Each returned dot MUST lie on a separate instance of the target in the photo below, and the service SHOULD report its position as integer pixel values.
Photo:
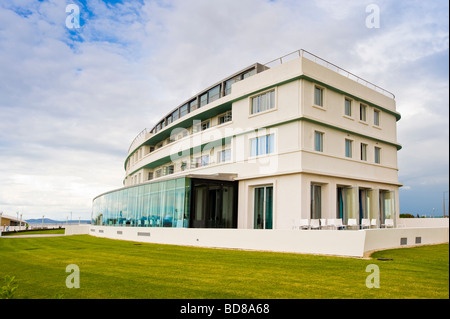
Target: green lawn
(123, 269)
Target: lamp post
(43, 221)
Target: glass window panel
(214, 94)
(318, 96)
(318, 141)
(362, 112)
(204, 99)
(348, 148)
(348, 107)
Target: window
(318, 96)
(376, 117)
(362, 112)
(348, 148)
(197, 127)
(167, 170)
(214, 94)
(316, 201)
(210, 96)
(348, 107)
(150, 176)
(193, 105)
(263, 208)
(158, 173)
(224, 156)
(262, 145)
(363, 152)
(204, 99)
(169, 119)
(377, 155)
(226, 117)
(175, 115)
(183, 165)
(184, 110)
(318, 141)
(228, 85)
(263, 102)
(202, 161)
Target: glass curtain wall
(160, 204)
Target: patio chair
(323, 223)
(315, 224)
(388, 223)
(373, 223)
(304, 224)
(352, 223)
(365, 223)
(338, 224)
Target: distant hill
(52, 221)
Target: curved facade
(262, 148)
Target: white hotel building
(265, 148)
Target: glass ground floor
(183, 202)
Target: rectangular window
(228, 85)
(377, 155)
(362, 112)
(363, 152)
(263, 102)
(376, 117)
(184, 110)
(214, 94)
(224, 156)
(226, 117)
(316, 201)
(263, 208)
(202, 161)
(204, 99)
(318, 96)
(205, 125)
(348, 107)
(150, 176)
(175, 115)
(193, 105)
(169, 119)
(318, 141)
(158, 173)
(348, 148)
(262, 145)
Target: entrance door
(263, 207)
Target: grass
(122, 269)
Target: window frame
(258, 96)
(321, 139)
(348, 148)
(320, 89)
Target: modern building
(298, 138)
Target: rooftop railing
(328, 65)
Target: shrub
(8, 291)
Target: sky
(73, 99)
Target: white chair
(365, 223)
(338, 224)
(323, 223)
(315, 224)
(352, 223)
(296, 223)
(303, 224)
(373, 223)
(388, 223)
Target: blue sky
(71, 101)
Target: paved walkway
(36, 235)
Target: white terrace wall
(354, 243)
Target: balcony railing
(329, 65)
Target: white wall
(353, 243)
